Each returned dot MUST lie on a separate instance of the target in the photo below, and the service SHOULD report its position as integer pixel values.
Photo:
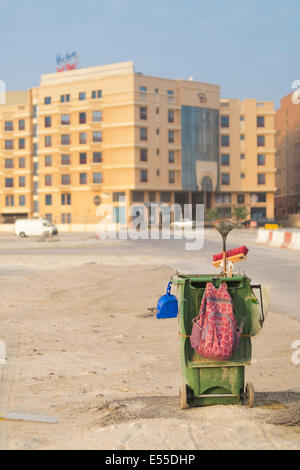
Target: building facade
(287, 124)
(247, 156)
(86, 137)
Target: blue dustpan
(167, 306)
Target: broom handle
(224, 257)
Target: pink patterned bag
(215, 333)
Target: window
(260, 140)
(9, 145)
(170, 94)
(48, 180)
(242, 137)
(225, 121)
(48, 217)
(152, 196)
(48, 199)
(66, 218)
(22, 201)
(48, 160)
(65, 179)
(225, 159)
(157, 172)
(143, 133)
(258, 197)
(97, 136)
(165, 196)
(34, 111)
(97, 116)
(82, 118)
(138, 196)
(9, 182)
(171, 156)
(65, 98)
(261, 159)
(157, 111)
(241, 198)
(97, 178)
(242, 156)
(21, 144)
(223, 198)
(66, 199)
(143, 113)
(260, 121)
(225, 141)
(48, 141)
(65, 159)
(97, 157)
(143, 91)
(9, 126)
(65, 139)
(47, 100)
(143, 176)
(9, 201)
(22, 162)
(82, 138)
(143, 155)
(82, 96)
(21, 124)
(171, 117)
(171, 177)
(47, 121)
(65, 119)
(157, 152)
(261, 178)
(82, 158)
(242, 118)
(243, 176)
(156, 90)
(225, 179)
(171, 137)
(96, 94)
(117, 196)
(35, 130)
(35, 168)
(157, 131)
(83, 178)
(22, 181)
(35, 188)
(9, 163)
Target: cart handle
(258, 286)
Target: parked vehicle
(37, 227)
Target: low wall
(279, 238)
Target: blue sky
(250, 48)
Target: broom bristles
(235, 251)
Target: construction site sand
(83, 347)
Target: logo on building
(202, 97)
(66, 62)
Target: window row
(9, 163)
(9, 125)
(225, 178)
(65, 199)
(226, 198)
(65, 139)
(144, 155)
(225, 159)
(10, 182)
(10, 200)
(65, 159)
(144, 135)
(9, 144)
(97, 178)
(144, 176)
(225, 121)
(65, 119)
(82, 95)
(144, 114)
(225, 140)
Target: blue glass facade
(199, 141)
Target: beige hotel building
(86, 137)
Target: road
(278, 268)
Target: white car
(37, 227)
(183, 223)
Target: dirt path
(88, 352)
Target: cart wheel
(250, 395)
(183, 398)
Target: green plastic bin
(206, 382)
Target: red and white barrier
(279, 238)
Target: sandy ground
(83, 347)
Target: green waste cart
(206, 382)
